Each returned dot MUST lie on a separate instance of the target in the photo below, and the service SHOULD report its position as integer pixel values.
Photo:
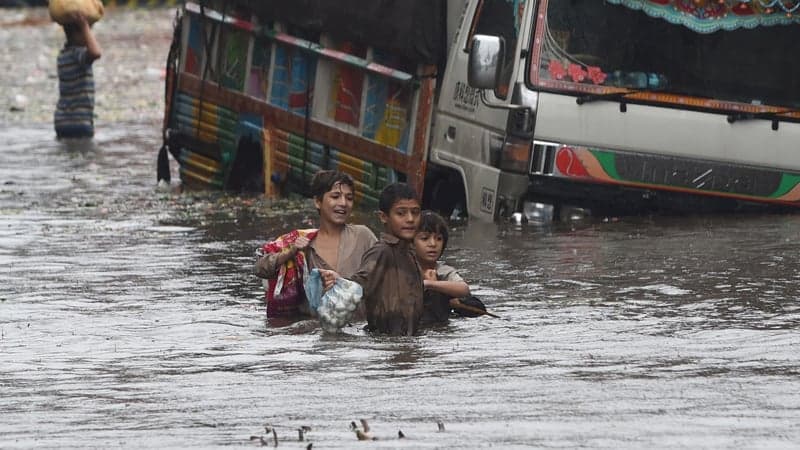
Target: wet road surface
(129, 317)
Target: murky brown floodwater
(128, 317)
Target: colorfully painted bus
(493, 107)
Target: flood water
(129, 317)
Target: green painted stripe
(608, 162)
(788, 182)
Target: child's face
(428, 247)
(336, 204)
(403, 219)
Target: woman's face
(336, 204)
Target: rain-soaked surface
(129, 317)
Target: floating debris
(260, 439)
(364, 436)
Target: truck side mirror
(485, 56)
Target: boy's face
(428, 247)
(403, 219)
(336, 204)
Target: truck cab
(639, 106)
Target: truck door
(468, 135)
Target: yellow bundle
(61, 10)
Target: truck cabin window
(500, 18)
(709, 49)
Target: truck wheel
(246, 174)
(445, 196)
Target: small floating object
(364, 436)
(170, 229)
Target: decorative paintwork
(678, 174)
(708, 16)
(365, 129)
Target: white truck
(494, 107)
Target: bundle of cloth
(63, 11)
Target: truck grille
(543, 160)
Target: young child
(337, 245)
(444, 287)
(74, 116)
(389, 273)
(442, 282)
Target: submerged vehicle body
(494, 107)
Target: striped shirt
(74, 116)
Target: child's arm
(370, 273)
(329, 278)
(93, 50)
(452, 288)
(267, 265)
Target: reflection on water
(128, 316)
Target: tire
(445, 195)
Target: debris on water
(18, 103)
(170, 229)
(364, 436)
(260, 439)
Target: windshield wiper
(774, 116)
(588, 98)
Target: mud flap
(162, 169)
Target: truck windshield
(728, 51)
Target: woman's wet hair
(324, 180)
(431, 222)
(393, 193)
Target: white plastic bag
(335, 307)
(60, 10)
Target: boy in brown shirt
(389, 272)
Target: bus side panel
(260, 91)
